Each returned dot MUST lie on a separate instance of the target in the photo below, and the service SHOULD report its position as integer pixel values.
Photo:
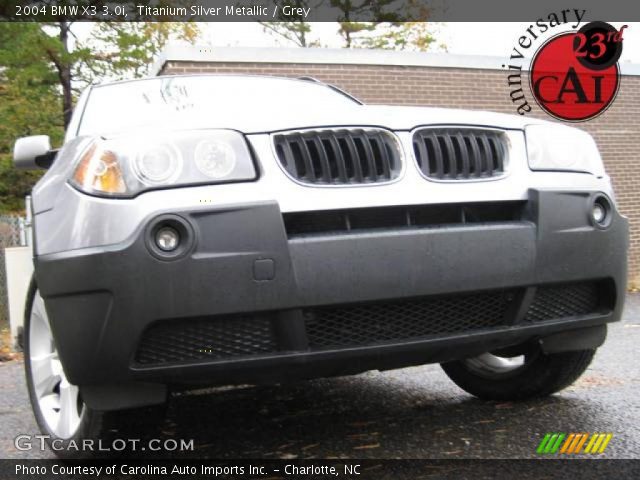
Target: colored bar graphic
(551, 443)
(606, 441)
(543, 443)
(596, 445)
(592, 440)
(556, 446)
(572, 443)
(580, 444)
(567, 443)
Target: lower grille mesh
(217, 338)
(381, 322)
(561, 301)
(206, 339)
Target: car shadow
(411, 413)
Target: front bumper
(122, 315)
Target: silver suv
(234, 229)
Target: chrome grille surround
(340, 156)
(460, 153)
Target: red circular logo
(569, 78)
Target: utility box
(19, 269)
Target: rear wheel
(57, 404)
(518, 375)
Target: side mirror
(33, 152)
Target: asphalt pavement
(414, 413)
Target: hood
(390, 117)
(255, 105)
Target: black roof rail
(310, 79)
(342, 92)
(332, 87)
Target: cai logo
(575, 76)
(574, 443)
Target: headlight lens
(557, 147)
(214, 158)
(158, 164)
(125, 167)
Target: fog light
(601, 209)
(599, 213)
(167, 239)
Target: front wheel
(57, 404)
(505, 375)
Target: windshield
(179, 101)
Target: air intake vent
(572, 300)
(368, 324)
(206, 339)
(339, 157)
(460, 153)
(395, 218)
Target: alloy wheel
(59, 401)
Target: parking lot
(411, 413)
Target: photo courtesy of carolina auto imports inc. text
(280, 239)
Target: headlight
(157, 165)
(557, 147)
(214, 158)
(125, 167)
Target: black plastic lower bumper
(332, 302)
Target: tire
(497, 375)
(57, 405)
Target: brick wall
(616, 131)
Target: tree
(387, 29)
(296, 30)
(29, 104)
(126, 50)
(350, 10)
(416, 36)
(393, 25)
(43, 66)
